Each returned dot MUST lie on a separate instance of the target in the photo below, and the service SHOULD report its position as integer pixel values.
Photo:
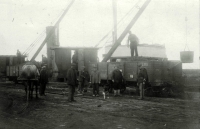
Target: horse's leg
(27, 91)
(36, 88)
(25, 87)
(32, 85)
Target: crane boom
(50, 32)
(122, 36)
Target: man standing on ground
(133, 39)
(95, 80)
(72, 82)
(83, 79)
(117, 80)
(43, 80)
(142, 79)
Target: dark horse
(29, 76)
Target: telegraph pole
(114, 3)
(199, 34)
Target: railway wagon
(161, 74)
(9, 67)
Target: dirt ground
(127, 112)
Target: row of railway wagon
(10, 66)
(164, 76)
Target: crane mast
(51, 31)
(122, 36)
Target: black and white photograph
(99, 64)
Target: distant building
(144, 50)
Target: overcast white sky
(163, 22)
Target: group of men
(82, 81)
(84, 78)
(117, 79)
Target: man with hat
(43, 80)
(72, 81)
(95, 80)
(133, 39)
(84, 78)
(117, 80)
(142, 79)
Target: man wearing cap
(142, 79)
(95, 80)
(133, 39)
(43, 80)
(71, 81)
(117, 80)
(84, 78)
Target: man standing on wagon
(133, 39)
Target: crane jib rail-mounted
(117, 43)
(51, 31)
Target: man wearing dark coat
(142, 79)
(84, 78)
(43, 80)
(72, 81)
(117, 80)
(95, 80)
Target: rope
(130, 11)
(34, 43)
(186, 26)
(187, 47)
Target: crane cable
(34, 43)
(37, 42)
(27, 51)
(125, 16)
(130, 11)
(186, 26)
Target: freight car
(10, 67)
(162, 74)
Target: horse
(29, 76)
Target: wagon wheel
(166, 91)
(123, 89)
(148, 92)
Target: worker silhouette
(133, 40)
(142, 80)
